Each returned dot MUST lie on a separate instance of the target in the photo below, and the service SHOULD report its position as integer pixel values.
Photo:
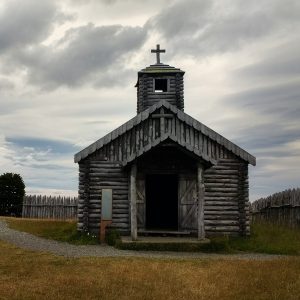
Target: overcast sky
(68, 70)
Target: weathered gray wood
(281, 208)
(221, 217)
(227, 207)
(162, 123)
(141, 205)
(188, 203)
(201, 190)
(162, 115)
(229, 229)
(45, 207)
(133, 172)
(221, 222)
(221, 195)
(220, 203)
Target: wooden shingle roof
(181, 117)
(160, 68)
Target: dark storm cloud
(207, 27)
(277, 98)
(272, 114)
(82, 52)
(70, 61)
(261, 138)
(26, 23)
(279, 62)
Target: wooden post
(201, 190)
(133, 172)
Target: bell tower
(159, 82)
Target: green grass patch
(64, 231)
(269, 238)
(265, 238)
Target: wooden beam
(170, 116)
(201, 191)
(133, 172)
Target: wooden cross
(162, 116)
(158, 51)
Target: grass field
(265, 237)
(269, 238)
(32, 275)
(64, 231)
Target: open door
(162, 202)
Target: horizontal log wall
(226, 209)
(147, 97)
(83, 196)
(103, 175)
(47, 207)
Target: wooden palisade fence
(279, 208)
(48, 207)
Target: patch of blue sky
(56, 146)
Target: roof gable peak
(144, 115)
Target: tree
(12, 191)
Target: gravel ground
(28, 241)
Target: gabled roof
(219, 139)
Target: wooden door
(187, 203)
(140, 203)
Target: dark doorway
(162, 202)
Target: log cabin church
(163, 171)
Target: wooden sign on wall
(106, 207)
(106, 212)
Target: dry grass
(64, 231)
(33, 275)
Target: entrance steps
(163, 240)
(164, 233)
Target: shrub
(112, 237)
(12, 191)
(218, 244)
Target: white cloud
(68, 68)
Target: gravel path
(28, 241)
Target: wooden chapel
(163, 171)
